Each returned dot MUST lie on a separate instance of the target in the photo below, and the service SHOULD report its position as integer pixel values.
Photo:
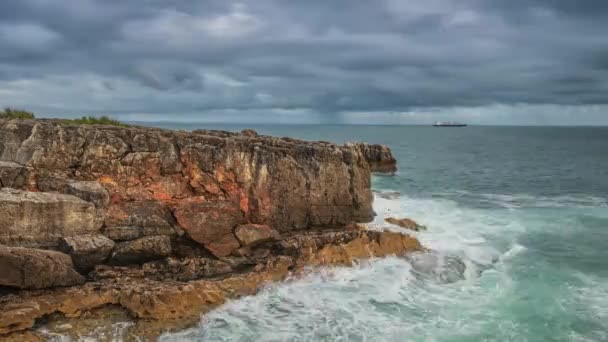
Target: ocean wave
(523, 200)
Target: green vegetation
(11, 113)
(92, 120)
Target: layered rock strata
(167, 224)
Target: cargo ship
(448, 124)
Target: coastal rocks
(34, 219)
(28, 268)
(379, 157)
(87, 250)
(171, 291)
(405, 223)
(211, 224)
(141, 250)
(11, 174)
(253, 234)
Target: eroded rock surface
(405, 223)
(38, 219)
(28, 268)
(168, 224)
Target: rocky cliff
(110, 211)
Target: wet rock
(211, 224)
(11, 174)
(254, 234)
(87, 250)
(28, 268)
(405, 223)
(141, 250)
(34, 219)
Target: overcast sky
(307, 61)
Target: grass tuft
(11, 113)
(93, 120)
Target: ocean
(517, 220)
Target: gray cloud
(343, 60)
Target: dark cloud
(316, 58)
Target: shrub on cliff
(92, 120)
(11, 113)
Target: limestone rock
(211, 224)
(141, 250)
(28, 268)
(88, 191)
(11, 174)
(405, 223)
(253, 234)
(379, 157)
(87, 250)
(33, 219)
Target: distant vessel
(448, 124)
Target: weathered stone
(166, 301)
(141, 250)
(87, 250)
(379, 157)
(123, 233)
(253, 234)
(88, 191)
(11, 174)
(146, 214)
(28, 268)
(210, 224)
(279, 182)
(405, 223)
(32, 219)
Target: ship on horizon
(448, 124)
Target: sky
(314, 61)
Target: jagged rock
(166, 301)
(211, 224)
(141, 250)
(33, 219)
(28, 268)
(87, 250)
(279, 182)
(253, 234)
(11, 174)
(379, 157)
(405, 223)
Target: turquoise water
(518, 220)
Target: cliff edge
(93, 215)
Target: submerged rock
(405, 223)
(443, 268)
(28, 268)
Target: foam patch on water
(386, 299)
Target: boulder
(405, 223)
(89, 191)
(28, 268)
(211, 225)
(138, 251)
(379, 157)
(11, 174)
(35, 219)
(87, 250)
(253, 234)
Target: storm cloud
(393, 61)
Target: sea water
(517, 220)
